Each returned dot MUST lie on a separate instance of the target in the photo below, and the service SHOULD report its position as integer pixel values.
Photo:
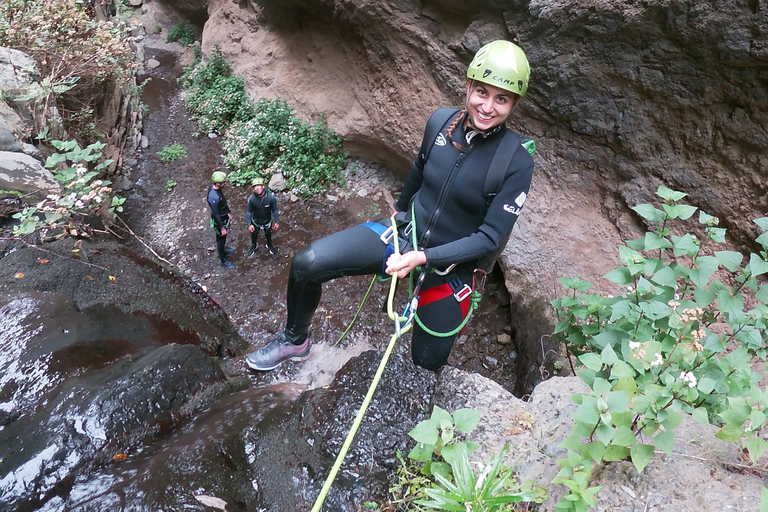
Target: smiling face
(488, 106)
(258, 190)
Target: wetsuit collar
(471, 132)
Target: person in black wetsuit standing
(261, 210)
(443, 201)
(220, 216)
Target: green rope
(356, 314)
(474, 302)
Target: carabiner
(478, 285)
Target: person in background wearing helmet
(262, 207)
(444, 203)
(220, 216)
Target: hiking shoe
(229, 251)
(271, 249)
(228, 265)
(254, 249)
(275, 352)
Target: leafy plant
(172, 153)
(653, 354)
(274, 140)
(169, 185)
(182, 32)
(215, 98)
(451, 483)
(79, 57)
(81, 193)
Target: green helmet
(219, 177)
(257, 181)
(502, 64)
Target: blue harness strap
(386, 235)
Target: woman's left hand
(404, 263)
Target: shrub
(215, 97)
(82, 194)
(309, 156)
(653, 354)
(78, 57)
(172, 153)
(182, 32)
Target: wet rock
(292, 456)
(11, 129)
(152, 63)
(25, 174)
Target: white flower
(633, 345)
(689, 378)
(658, 361)
(78, 204)
(81, 170)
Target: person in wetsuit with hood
(220, 216)
(443, 200)
(261, 209)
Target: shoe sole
(268, 368)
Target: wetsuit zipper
(441, 198)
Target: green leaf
(605, 339)
(665, 277)
(424, 432)
(591, 361)
(655, 310)
(596, 450)
(762, 222)
(653, 241)
(706, 266)
(615, 452)
(665, 441)
(668, 194)
(704, 217)
(730, 432)
(762, 240)
(679, 211)
(762, 294)
(618, 401)
(649, 212)
(620, 276)
(685, 245)
(621, 369)
(700, 415)
(757, 265)
(608, 356)
(604, 433)
(705, 385)
(641, 455)
(587, 413)
(440, 416)
(624, 436)
(703, 297)
(422, 452)
(730, 259)
(764, 501)
(716, 234)
(466, 419)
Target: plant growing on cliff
(79, 57)
(309, 156)
(263, 138)
(215, 97)
(182, 32)
(678, 342)
(81, 192)
(446, 479)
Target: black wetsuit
(219, 219)
(453, 224)
(260, 211)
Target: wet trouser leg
(352, 252)
(255, 237)
(268, 236)
(221, 241)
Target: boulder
(26, 174)
(11, 129)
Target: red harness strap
(440, 292)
